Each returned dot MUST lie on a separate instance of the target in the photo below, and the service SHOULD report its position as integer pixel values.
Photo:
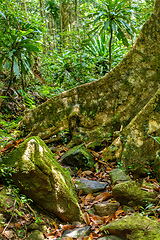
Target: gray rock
(40, 177)
(77, 232)
(36, 235)
(78, 157)
(104, 209)
(117, 175)
(89, 186)
(110, 237)
(130, 194)
(139, 227)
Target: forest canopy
(52, 46)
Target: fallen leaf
(87, 238)
(86, 218)
(55, 225)
(118, 212)
(103, 196)
(90, 196)
(88, 172)
(17, 225)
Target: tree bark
(64, 20)
(42, 20)
(95, 110)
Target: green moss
(138, 227)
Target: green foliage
(82, 59)
(116, 15)
(157, 139)
(17, 46)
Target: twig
(31, 209)
(10, 219)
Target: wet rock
(77, 232)
(78, 157)
(104, 209)
(130, 194)
(117, 175)
(89, 186)
(36, 235)
(136, 226)
(40, 177)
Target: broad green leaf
(2, 14)
(16, 68)
(157, 139)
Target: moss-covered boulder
(40, 177)
(136, 227)
(130, 194)
(79, 157)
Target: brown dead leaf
(103, 196)
(118, 212)
(88, 172)
(109, 218)
(17, 225)
(90, 196)
(157, 186)
(80, 192)
(67, 238)
(55, 225)
(86, 218)
(87, 238)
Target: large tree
(96, 110)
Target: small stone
(117, 175)
(78, 232)
(104, 209)
(79, 157)
(36, 235)
(110, 237)
(89, 186)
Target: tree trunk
(43, 24)
(110, 47)
(96, 110)
(64, 20)
(25, 6)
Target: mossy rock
(136, 227)
(37, 173)
(79, 157)
(117, 175)
(130, 194)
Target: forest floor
(24, 214)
